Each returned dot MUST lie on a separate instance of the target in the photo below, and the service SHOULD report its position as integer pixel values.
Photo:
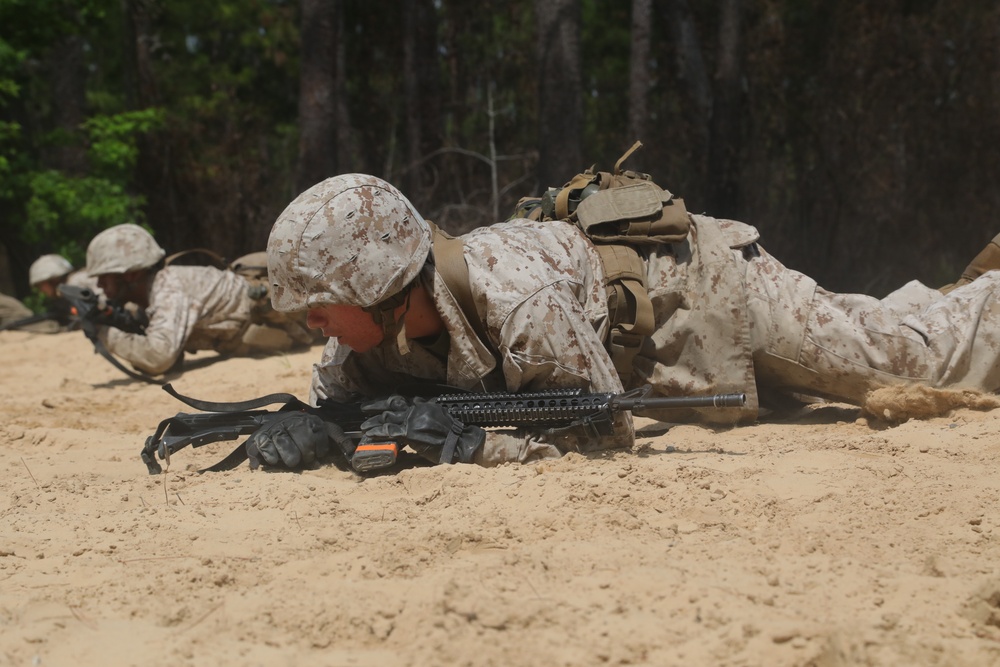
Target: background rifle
(56, 315)
(554, 410)
(91, 312)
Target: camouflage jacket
(728, 317)
(540, 286)
(190, 308)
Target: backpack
(618, 211)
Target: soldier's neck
(422, 318)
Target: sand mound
(900, 403)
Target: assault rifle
(553, 410)
(92, 311)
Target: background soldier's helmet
(48, 267)
(352, 239)
(121, 249)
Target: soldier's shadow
(657, 430)
(179, 369)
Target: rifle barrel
(664, 402)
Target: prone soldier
(188, 308)
(526, 305)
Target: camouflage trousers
(268, 330)
(12, 310)
(807, 339)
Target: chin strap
(383, 314)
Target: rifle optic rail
(556, 407)
(544, 408)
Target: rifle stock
(554, 411)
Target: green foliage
(36, 301)
(113, 146)
(62, 211)
(10, 131)
(66, 211)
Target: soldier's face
(113, 285)
(350, 325)
(49, 287)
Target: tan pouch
(639, 213)
(630, 309)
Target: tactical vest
(617, 211)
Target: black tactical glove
(422, 425)
(294, 440)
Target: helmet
(352, 239)
(48, 267)
(122, 248)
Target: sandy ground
(816, 540)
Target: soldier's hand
(422, 424)
(393, 403)
(293, 440)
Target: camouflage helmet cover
(352, 239)
(122, 248)
(48, 267)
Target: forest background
(861, 137)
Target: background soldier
(12, 310)
(47, 274)
(189, 308)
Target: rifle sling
(237, 406)
(238, 455)
(103, 351)
(235, 458)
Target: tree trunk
(155, 176)
(68, 76)
(692, 74)
(560, 94)
(421, 92)
(317, 93)
(690, 64)
(140, 85)
(724, 141)
(349, 155)
(639, 77)
(411, 93)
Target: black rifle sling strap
(104, 352)
(449, 260)
(238, 455)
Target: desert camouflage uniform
(12, 310)
(80, 278)
(195, 308)
(728, 315)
